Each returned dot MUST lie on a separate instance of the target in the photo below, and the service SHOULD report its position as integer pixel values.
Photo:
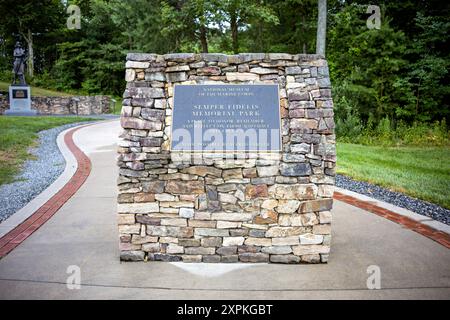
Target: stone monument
(19, 91)
(226, 158)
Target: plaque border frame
(225, 151)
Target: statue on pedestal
(19, 64)
(19, 91)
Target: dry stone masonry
(76, 105)
(272, 207)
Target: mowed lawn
(421, 172)
(17, 135)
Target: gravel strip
(49, 164)
(36, 174)
(396, 198)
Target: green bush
(384, 131)
(44, 80)
(6, 75)
(424, 133)
(348, 123)
(350, 129)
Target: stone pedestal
(190, 206)
(20, 101)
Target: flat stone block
(254, 257)
(132, 255)
(284, 258)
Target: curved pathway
(37, 174)
(83, 234)
(36, 219)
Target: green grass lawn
(37, 92)
(17, 135)
(421, 172)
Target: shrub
(348, 123)
(385, 134)
(384, 131)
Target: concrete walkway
(83, 233)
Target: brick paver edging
(17, 235)
(436, 235)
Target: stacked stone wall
(272, 207)
(76, 105)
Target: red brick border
(16, 236)
(427, 231)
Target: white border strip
(71, 166)
(401, 211)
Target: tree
(92, 61)
(138, 23)
(428, 75)
(399, 71)
(366, 65)
(240, 13)
(30, 19)
(189, 20)
(293, 32)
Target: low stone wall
(4, 104)
(79, 105)
(261, 208)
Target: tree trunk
(321, 27)
(29, 40)
(260, 38)
(303, 28)
(203, 39)
(30, 54)
(234, 32)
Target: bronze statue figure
(19, 64)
